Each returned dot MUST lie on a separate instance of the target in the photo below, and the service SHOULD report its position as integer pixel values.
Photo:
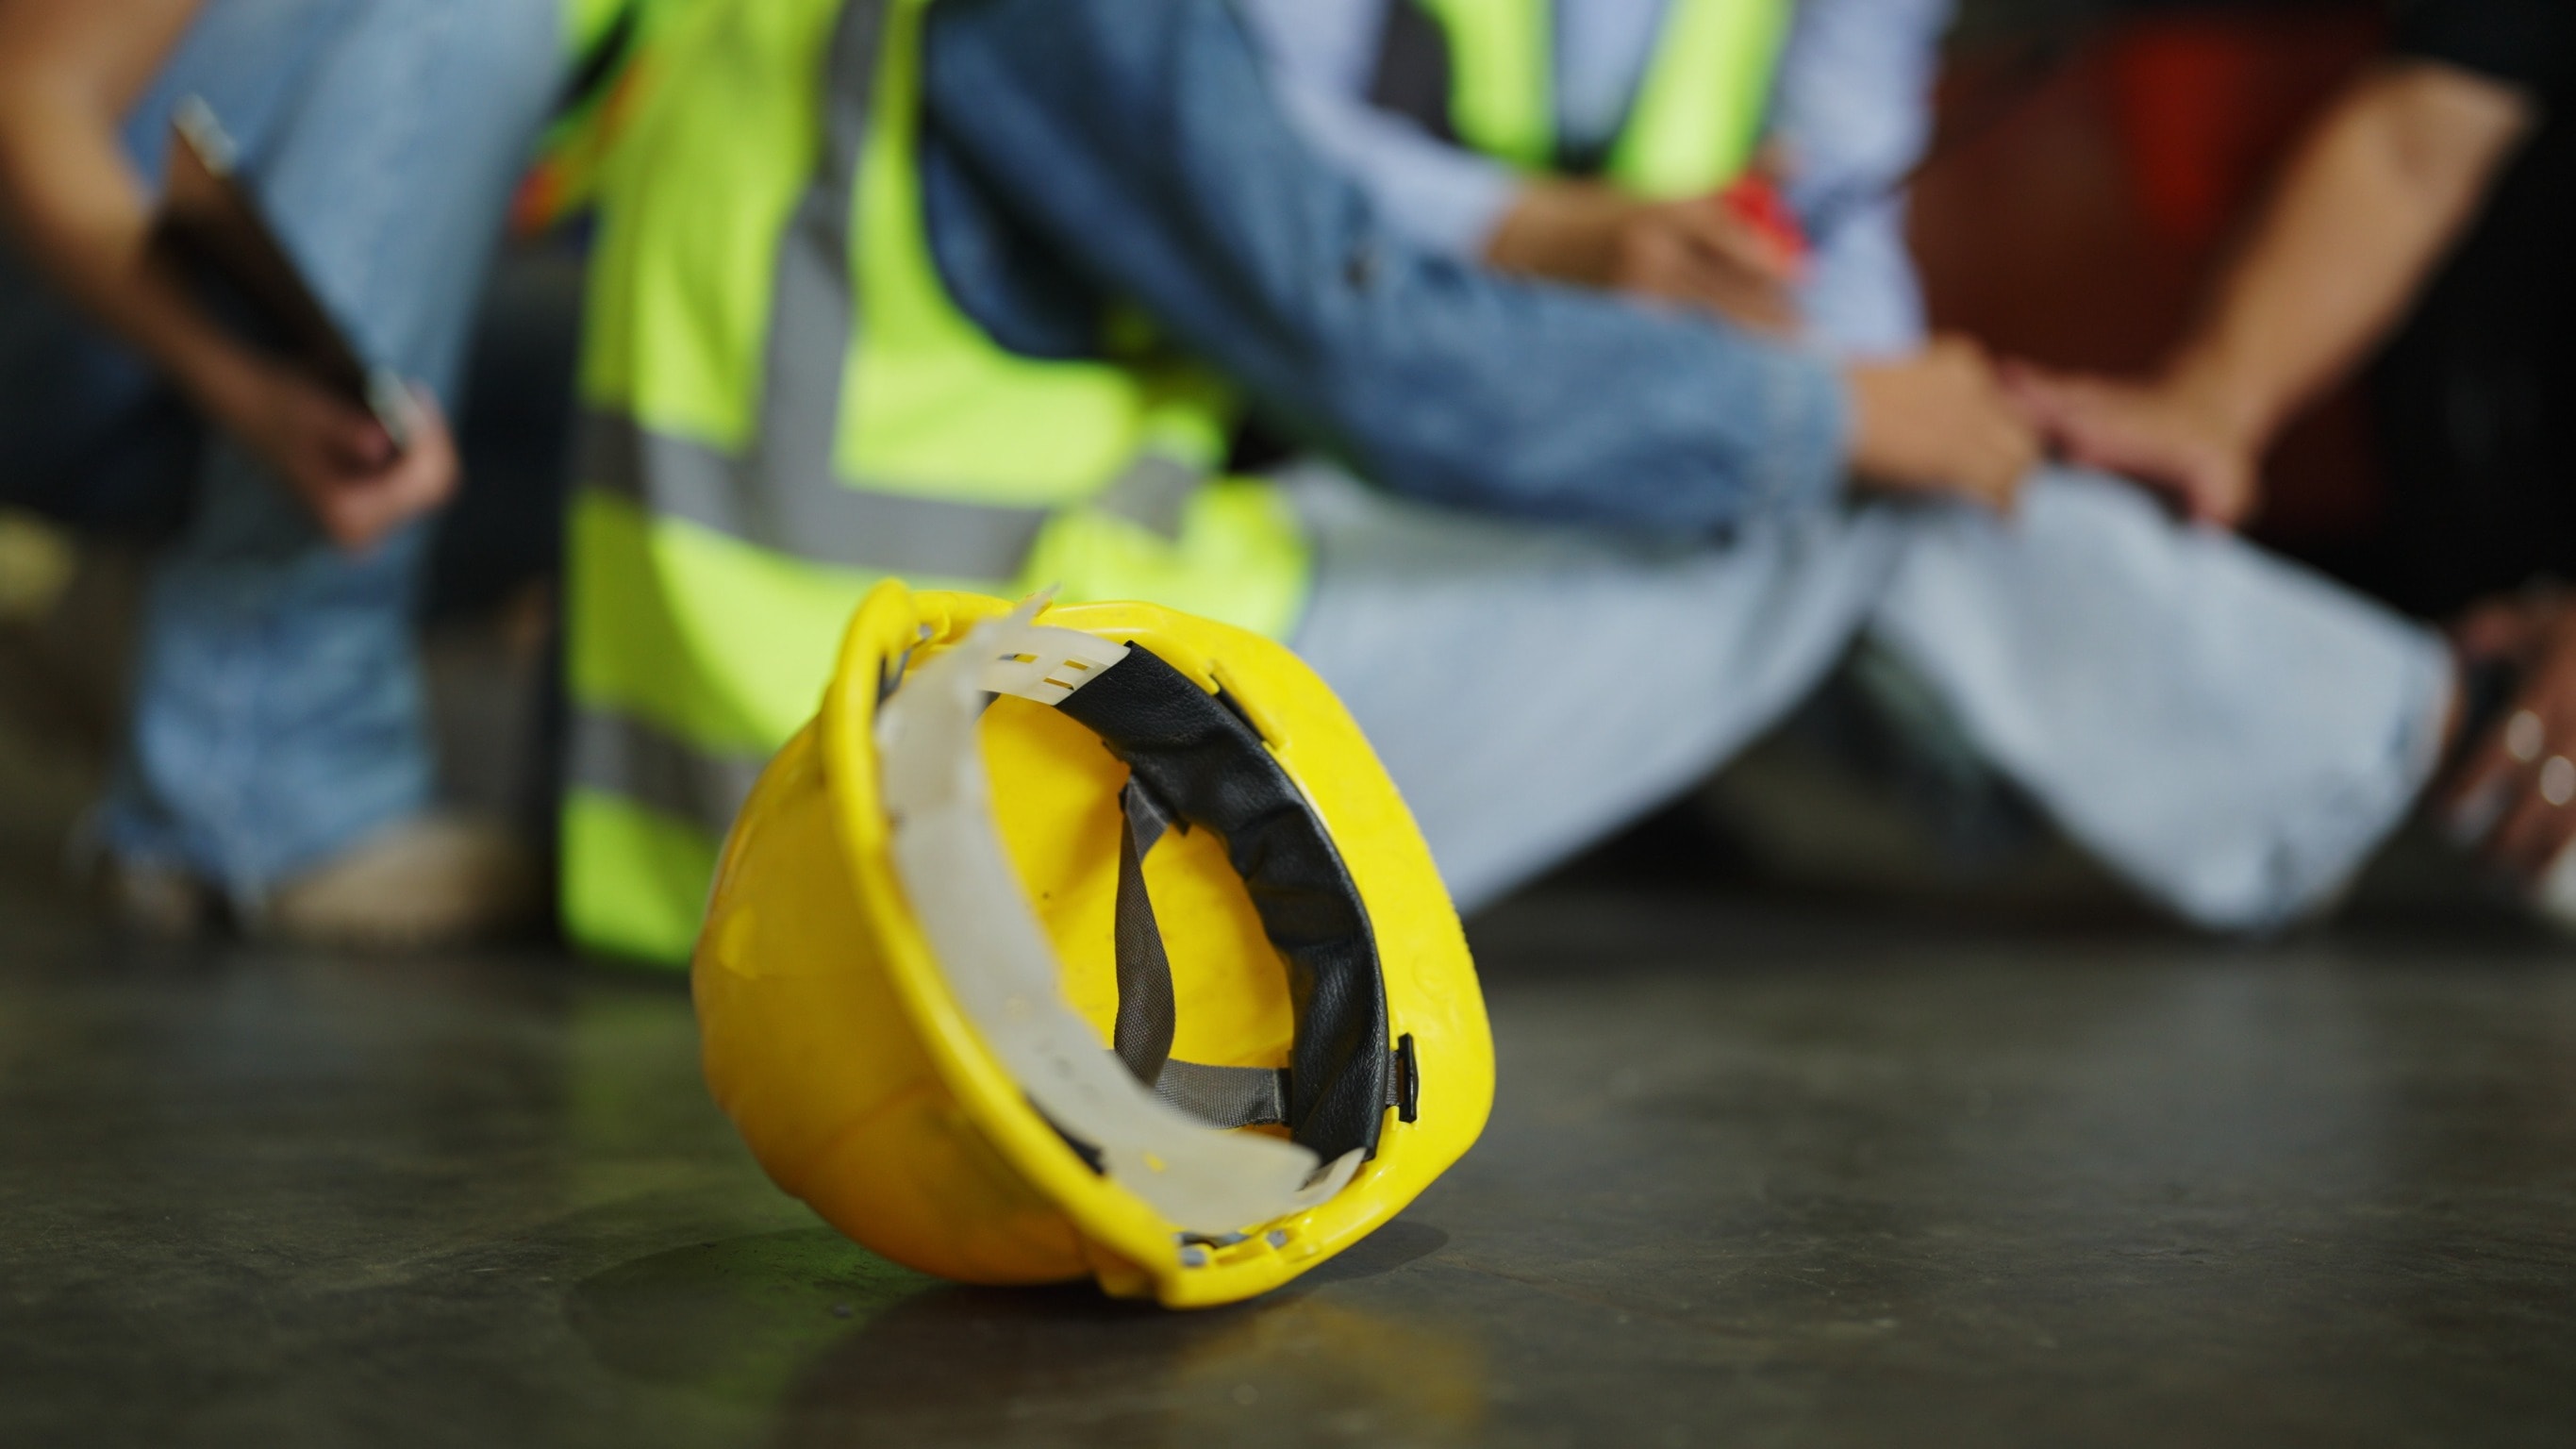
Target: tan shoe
(439, 880)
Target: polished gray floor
(1758, 1175)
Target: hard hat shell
(834, 1039)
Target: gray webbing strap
(1225, 1097)
(1143, 1035)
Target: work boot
(433, 881)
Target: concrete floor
(1758, 1175)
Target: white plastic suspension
(950, 857)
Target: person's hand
(2514, 794)
(1699, 251)
(2164, 436)
(1939, 423)
(336, 458)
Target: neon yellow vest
(1696, 117)
(784, 406)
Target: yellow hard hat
(964, 992)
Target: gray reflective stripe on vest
(1153, 493)
(828, 522)
(820, 519)
(813, 310)
(618, 754)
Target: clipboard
(211, 224)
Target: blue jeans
(278, 705)
(2228, 732)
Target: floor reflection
(739, 1318)
(857, 1351)
(1835, 1184)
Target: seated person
(966, 292)
(277, 757)
(1844, 123)
(2431, 209)
(1849, 121)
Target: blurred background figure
(277, 758)
(2427, 217)
(2442, 181)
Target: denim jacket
(1078, 150)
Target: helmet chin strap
(1003, 969)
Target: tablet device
(212, 224)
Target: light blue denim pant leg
(278, 702)
(2231, 732)
(2228, 732)
(1532, 688)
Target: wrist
(2221, 399)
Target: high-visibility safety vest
(784, 406)
(1691, 128)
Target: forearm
(2373, 200)
(1137, 137)
(72, 199)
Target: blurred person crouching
(277, 762)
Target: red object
(1756, 203)
(2208, 103)
(2190, 93)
